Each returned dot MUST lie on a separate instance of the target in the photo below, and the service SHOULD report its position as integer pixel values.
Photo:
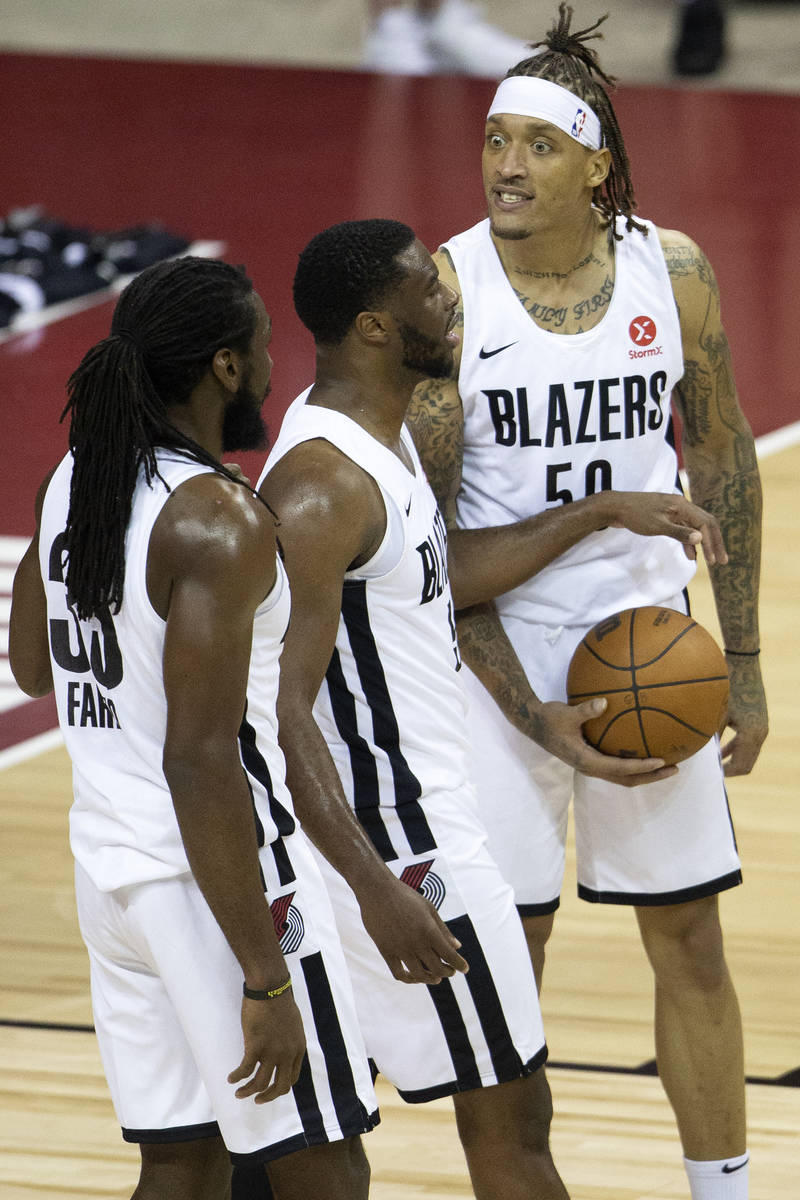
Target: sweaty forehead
(417, 260)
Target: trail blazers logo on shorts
(421, 878)
(288, 923)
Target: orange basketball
(665, 680)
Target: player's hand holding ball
(664, 678)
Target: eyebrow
(533, 124)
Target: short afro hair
(345, 270)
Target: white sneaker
(397, 44)
(465, 43)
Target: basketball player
(581, 325)
(371, 653)
(152, 576)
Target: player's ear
(373, 327)
(226, 368)
(598, 167)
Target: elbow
(463, 599)
(192, 764)
(34, 679)
(460, 574)
(183, 770)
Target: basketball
(665, 680)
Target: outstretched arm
(720, 460)
(331, 517)
(484, 563)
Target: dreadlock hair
(569, 62)
(345, 270)
(167, 326)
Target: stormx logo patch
(642, 331)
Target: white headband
(529, 96)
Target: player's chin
(508, 229)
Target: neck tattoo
(590, 258)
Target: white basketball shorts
(167, 996)
(468, 1031)
(661, 843)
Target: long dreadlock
(167, 326)
(568, 61)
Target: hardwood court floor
(613, 1133)
(60, 1139)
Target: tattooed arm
(436, 421)
(720, 461)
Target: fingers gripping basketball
(664, 678)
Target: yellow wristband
(268, 994)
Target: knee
(199, 1169)
(536, 1112)
(336, 1170)
(684, 944)
(358, 1167)
(353, 1173)
(537, 933)
(514, 1116)
(538, 930)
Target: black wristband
(266, 994)
(743, 653)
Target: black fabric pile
(44, 261)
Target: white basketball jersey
(108, 681)
(550, 418)
(392, 708)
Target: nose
(510, 162)
(450, 296)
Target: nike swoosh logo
(491, 353)
(728, 1169)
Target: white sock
(723, 1179)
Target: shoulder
(445, 265)
(318, 492)
(42, 492)
(212, 521)
(317, 475)
(684, 258)
(694, 284)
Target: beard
(243, 426)
(510, 235)
(425, 355)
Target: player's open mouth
(511, 198)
